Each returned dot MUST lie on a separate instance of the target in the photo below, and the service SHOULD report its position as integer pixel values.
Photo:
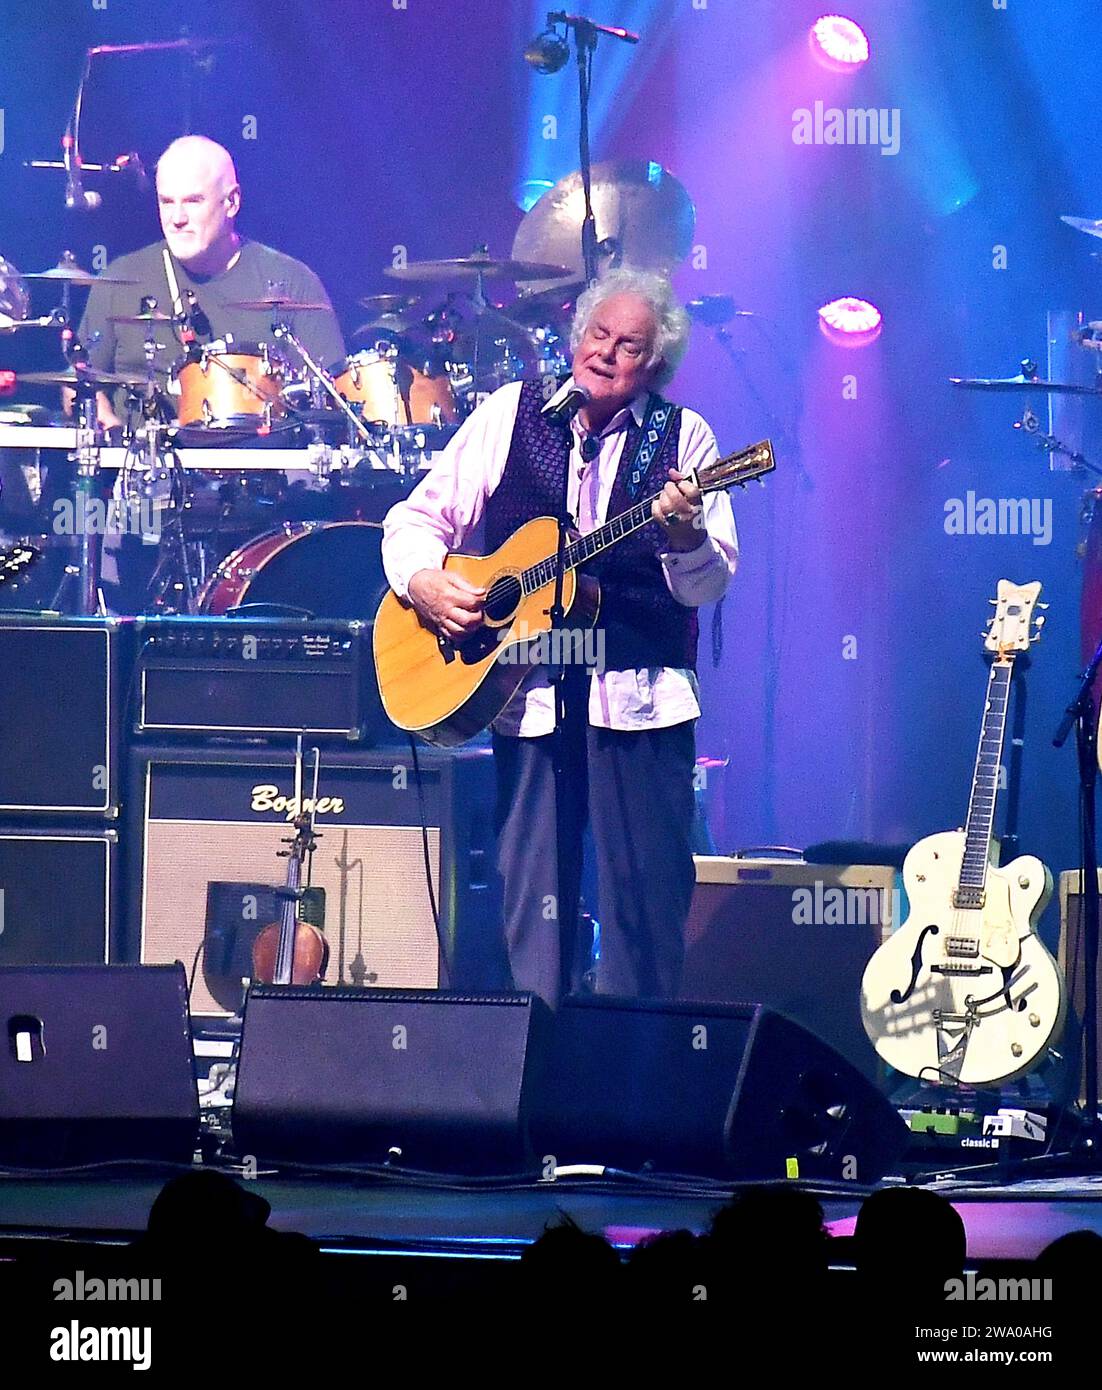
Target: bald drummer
(199, 198)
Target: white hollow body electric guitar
(965, 993)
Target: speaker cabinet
(69, 678)
(434, 1081)
(793, 936)
(95, 1064)
(733, 1091)
(216, 816)
(58, 891)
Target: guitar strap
(658, 422)
(660, 418)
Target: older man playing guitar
(629, 733)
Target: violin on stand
(292, 951)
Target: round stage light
(839, 43)
(850, 322)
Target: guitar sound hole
(503, 598)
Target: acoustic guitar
(450, 691)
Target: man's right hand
(447, 602)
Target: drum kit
(350, 437)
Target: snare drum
(393, 392)
(234, 386)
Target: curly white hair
(672, 334)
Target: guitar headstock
(735, 470)
(1012, 626)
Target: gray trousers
(636, 789)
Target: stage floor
(358, 1217)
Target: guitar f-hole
(916, 966)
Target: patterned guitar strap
(660, 418)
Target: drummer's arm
(446, 506)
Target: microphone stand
(1081, 714)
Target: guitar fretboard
(985, 787)
(583, 549)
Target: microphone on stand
(197, 321)
(75, 195)
(562, 408)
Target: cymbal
(644, 218)
(89, 376)
(388, 303)
(470, 267)
(69, 273)
(294, 306)
(547, 306)
(155, 317)
(1024, 383)
(1091, 225)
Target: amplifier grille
(376, 899)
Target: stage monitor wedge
(712, 1090)
(95, 1065)
(435, 1081)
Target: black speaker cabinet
(95, 1064)
(65, 681)
(58, 895)
(434, 1081)
(201, 817)
(733, 1091)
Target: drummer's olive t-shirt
(259, 272)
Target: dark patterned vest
(642, 623)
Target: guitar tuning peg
(994, 602)
(1040, 620)
(1044, 605)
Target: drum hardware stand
(86, 572)
(324, 380)
(1030, 424)
(1082, 716)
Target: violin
(291, 951)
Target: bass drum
(328, 569)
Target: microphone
(75, 195)
(547, 52)
(560, 410)
(197, 325)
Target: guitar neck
(587, 546)
(985, 786)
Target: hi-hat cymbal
(155, 317)
(1025, 383)
(87, 376)
(471, 267)
(274, 302)
(643, 215)
(388, 303)
(69, 273)
(390, 325)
